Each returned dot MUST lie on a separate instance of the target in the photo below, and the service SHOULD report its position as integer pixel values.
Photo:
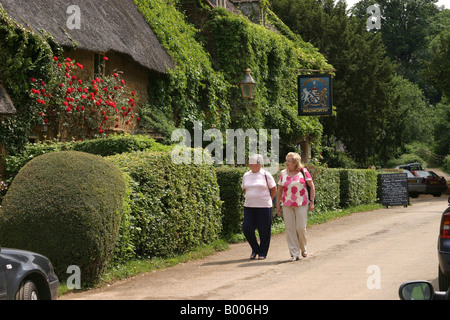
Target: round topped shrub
(67, 206)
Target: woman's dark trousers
(261, 219)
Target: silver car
(416, 185)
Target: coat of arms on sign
(315, 95)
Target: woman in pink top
(294, 196)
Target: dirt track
(363, 256)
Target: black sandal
(253, 256)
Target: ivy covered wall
(193, 90)
(212, 49)
(23, 55)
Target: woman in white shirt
(259, 189)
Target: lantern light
(248, 86)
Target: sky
(445, 3)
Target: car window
(408, 173)
(422, 174)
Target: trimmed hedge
(173, 207)
(335, 188)
(67, 206)
(230, 183)
(119, 143)
(358, 186)
(113, 144)
(327, 184)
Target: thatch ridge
(6, 105)
(108, 25)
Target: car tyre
(27, 291)
(444, 281)
(436, 194)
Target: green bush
(230, 183)
(13, 163)
(173, 207)
(327, 184)
(335, 188)
(358, 187)
(68, 206)
(447, 164)
(116, 144)
(405, 159)
(113, 144)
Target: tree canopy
(386, 78)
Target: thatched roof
(6, 105)
(228, 5)
(107, 25)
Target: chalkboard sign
(394, 189)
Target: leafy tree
(438, 64)
(405, 31)
(412, 109)
(442, 129)
(363, 88)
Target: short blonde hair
(296, 158)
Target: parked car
(410, 166)
(435, 184)
(415, 184)
(421, 290)
(444, 250)
(26, 275)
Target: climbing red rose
(82, 111)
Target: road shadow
(225, 262)
(246, 262)
(264, 263)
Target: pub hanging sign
(315, 95)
